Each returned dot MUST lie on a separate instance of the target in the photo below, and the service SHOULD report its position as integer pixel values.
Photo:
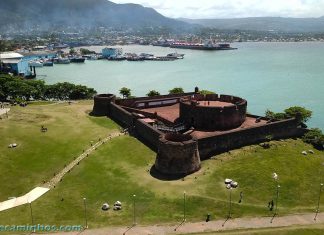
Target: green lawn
(121, 168)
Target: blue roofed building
(15, 63)
(111, 52)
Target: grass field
(121, 168)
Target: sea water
(271, 76)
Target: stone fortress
(186, 128)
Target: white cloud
(233, 8)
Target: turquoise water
(269, 75)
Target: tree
(72, 51)
(272, 115)
(315, 137)
(300, 113)
(86, 51)
(176, 90)
(206, 92)
(153, 93)
(125, 92)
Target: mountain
(290, 25)
(44, 14)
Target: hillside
(46, 14)
(264, 24)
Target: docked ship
(77, 60)
(209, 45)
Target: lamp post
(31, 213)
(184, 206)
(230, 203)
(134, 212)
(277, 196)
(85, 212)
(318, 201)
(230, 184)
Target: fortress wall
(213, 118)
(212, 97)
(199, 97)
(232, 140)
(131, 102)
(177, 154)
(101, 104)
(119, 115)
(147, 133)
(226, 98)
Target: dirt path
(199, 227)
(57, 178)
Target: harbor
(25, 62)
(255, 71)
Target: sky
(199, 9)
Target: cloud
(233, 8)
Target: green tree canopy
(315, 137)
(302, 114)
(16, 88)
(153, 93)
(206, 92)
(125, 92)
(176, 90)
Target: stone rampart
(235, 139)
(148, 134)
(177, 154)
(120, 115)
(213, 117)
(131, 102)
(101, 104)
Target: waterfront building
(111, 52)
(12, 62)
(41, 54)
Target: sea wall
(232, 140)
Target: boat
(77, 60)
(175, 55)
(135, 58)
(116, 58)
(209, 45)
(62, 61)
(35, 63)
(48, 63)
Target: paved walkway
(57, 178)
(199, 227)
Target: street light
(184, 211)
(230, 184)
(276, 208)
(230, 203)
(134, 215)
(184, 206)
(32, 217)
(85, 212)
(318, 201)
(277, 196)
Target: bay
(271, 76)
